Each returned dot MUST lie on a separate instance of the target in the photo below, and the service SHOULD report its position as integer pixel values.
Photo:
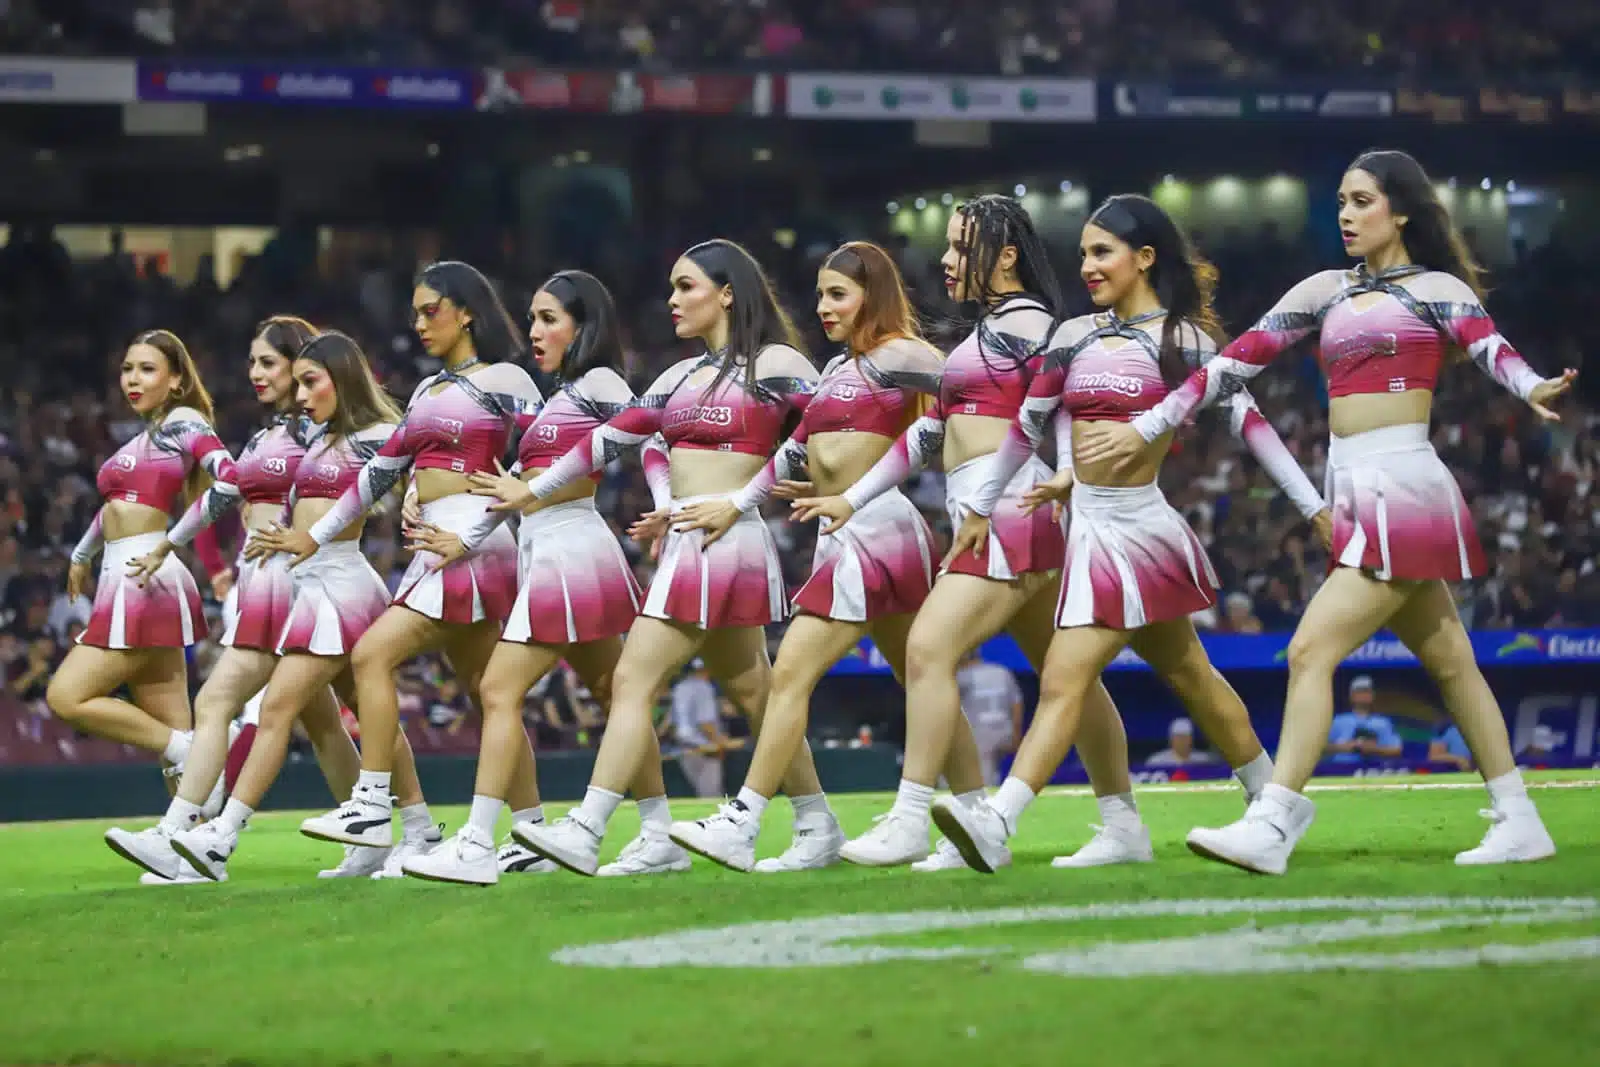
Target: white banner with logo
(913, 96)
(25, 80)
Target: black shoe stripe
(363, 827)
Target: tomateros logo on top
(1259, 936)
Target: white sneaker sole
(585, 865)
(121, 848)
(954, 821)
(1201, 844)
(369, 837)
(425, 875)
(687, 839)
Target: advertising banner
(911, 96)
(25, 80)
(1225, 100)
(623, 92)
(305, 85)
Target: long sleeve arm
(1251, 427)
(189, 431)
(1023, 439)
(1293, 318)
(380, 474)
(656, 458)
(1464, 320)
(921, 442)
(208, 551)
(93, 539)
(1062, 424)
(787, 463)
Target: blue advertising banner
(305, 85)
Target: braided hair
(990, 223)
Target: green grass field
(1033, 966)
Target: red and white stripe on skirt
(1132, 560)
(476, 587)
(878, 564)
(337, 596)
(257, 607)
(165, 612)
(736, 582)
(576, 584)
(1018, 544)
(1397, 511)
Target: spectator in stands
(1361, 735)
(991, 699)
(697, 731)
(1450, 747)
(1180, 750)
(1541, 744)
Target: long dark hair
(596, 341)
(285, 334)
(1183, 280)
(362, 401)
(755, 320)
(990, 223)
(494, 336)
(1431, 239)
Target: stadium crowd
(63, 326)
(1467, 39)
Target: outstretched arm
(1251, 427)
(380, 474)
(911, 452)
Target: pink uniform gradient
(337, 596)
(259, 603)
(736, 582)
(165, 612)
(1018, 543)
(576, 584)
(879, 564)
(480, 586)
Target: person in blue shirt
(1449, 747)
(1361, 735)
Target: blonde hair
(191, 393)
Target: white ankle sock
(177, 746)
(1255, 775)
(755, 803)
(654, 813)
(1508, 786)
(1011, 800)
(534, 815)
(235, 813)
(181, 815)
(975, 796)
(484, 814)
(815, 804)
(416, 821)
(1119, 811)
(600, 804)
(913, 800)
(375, 782)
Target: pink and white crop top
(687, 412)
(569, 416)
(465, 428)
(151, 470)
(265, 469)
(1391, 345)
(1102, 368)
(988, 372)
(332, 465)
(872, 393)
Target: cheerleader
(996, 261)
(870, 577)
(1134, 571)
(722, 415)
(335, 595)
(458, 422)
(1401, 529)
(146, 610)
(576, 595)
(255, 609)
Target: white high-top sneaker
(514, 858)
(728, 837)
(206, 848)
(410, 847)
(652, 852)
(1263, 840)
(150, 849)
(945, 857)
(365, 819)
(815, 845)
(467, 859)
(978, 832)
(894, 841)
(1516, 835)
(1111, 845)
(570, 841)
(358, 862)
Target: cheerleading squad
(514, 570)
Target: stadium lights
(561, 160)
(1066, 187)
(920, 203)
(1170, 179)
(1451, 183)
(947, 199)
(433, 150)
(1020, 190)
(763, 155)
(894, 207)
(1511, 186)
(1486, 185)
(580, 156)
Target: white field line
(1358, 785)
